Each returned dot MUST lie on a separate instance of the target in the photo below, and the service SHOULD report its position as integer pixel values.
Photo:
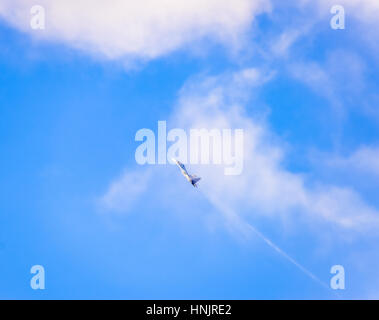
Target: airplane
(191, 178)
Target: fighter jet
(191, 178)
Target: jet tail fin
(195, 180)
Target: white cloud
(137, 29)
(125, 191)
(364, 160)
(341, 79)
(280, 46)
(265, 186)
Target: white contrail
(286, 256)
(236, 220)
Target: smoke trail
(286, 256)
(243, 226)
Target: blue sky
(74, 200)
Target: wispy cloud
(125, 191)
(265, 186)
(364, 160)
(342, 79)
